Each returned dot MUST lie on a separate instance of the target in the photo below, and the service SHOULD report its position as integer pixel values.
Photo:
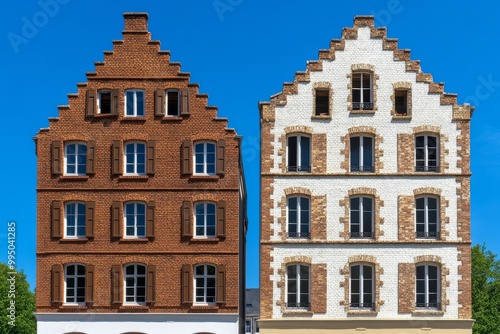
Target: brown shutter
(56, 278)
(186, 158)
(56, 149)
(116, 157)
(186, 284)
(116, 279)
(115, 97)
(115, 219)
(160, 102)
(91, 103)
(91, 157)
(56, 219)
(406, 287)
(221, 284)
(187, 226)
(151, 285)
(150, 220)
(89, 219)
(185, 102)
(150, 155)
(89, 283)
(318, 288)
(221, 219)
(221, 157)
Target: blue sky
(240, 52)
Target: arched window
(362, 91)
(298, 286)
(427, 217)
(135, 158)
(204, 158)
(75, 158)
(298, 153)
(74, 281)
(135, 284)
(205, 218)
(298, 217)
(426, 153)
(74, 219)
(135, 220)
(361, 151)
(361, 286)
(204, 282)
(361, 217)
(427, 287)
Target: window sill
(395, 116)
(363, 112)
(73, 308)
(204, 177)
(74, 177)
(132, 240)
(204, 307)
(297, 313)
(133, 177)
(104, 115)
(134, 118)
(73, 240)
(321, 117)
(369, 312)
(172, 118)
(205, 240)
(133, 308)
(424, 312)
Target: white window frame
(426, 280)
(299, 163)
(100, 92)
(425, 148)
(76, 217)
(362, 167)
(205, 163)
(299, 209)
(361, 91)
(135, 162)
(205, 286)
(135, 104)
(135, 216)
(299, 285)
(426, 210)
(178, 111)
(75, 286)
(362, 285)
(362, 217)
(77, 155)
(205, 220)
(136, 285)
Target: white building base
(135, 323)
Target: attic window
(105, 102)
(322, 102)
(401, 102)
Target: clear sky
(240, 52)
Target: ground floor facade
(374, 326)
(135, 323)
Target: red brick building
(141, 208)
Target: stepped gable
(460, 112)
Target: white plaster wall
(426, 108)
(388, 256)
(113, 323)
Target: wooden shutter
(186, 158)
(115, 97)
(186, 284)
(150, 220)
(221, 219)
(185, 102)
(116, 219)
(160, 102)
(116, 288)
(221, 284)
(56, 219)
(221, 157)
(151, 285)
(89, 283)
(91, 157)
(150, 155)
(116, 152)
(91, 102)
(318, 291)
(56, 280)
(89, 219)
(56, 149)
(187, 226)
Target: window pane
(355, 272)
(141, 270)
(420, 272)
(356, 80)
(292, 151)
(140, 103)
(432, 270)
(355, 152)
(432, 203)
(210, 270)
(367, 151)
(199, 270)
(305, 153)
(366, 80)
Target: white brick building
(365, 190)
